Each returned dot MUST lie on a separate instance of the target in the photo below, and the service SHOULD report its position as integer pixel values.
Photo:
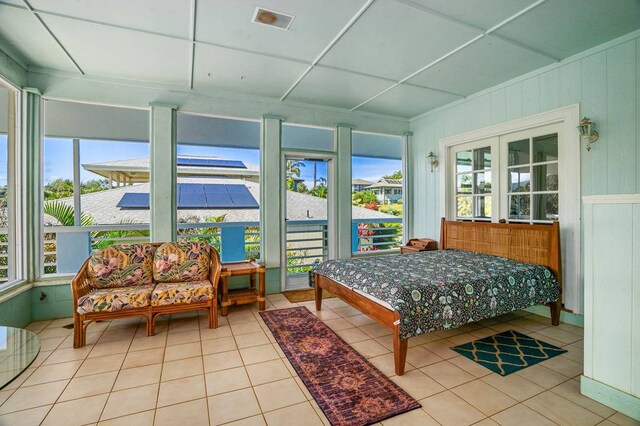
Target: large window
(218, 176)
(8, 100)
(93, 156)
(377, 192)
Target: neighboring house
(360, 184)
(103, 206)
(388, 191)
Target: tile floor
(236, 374)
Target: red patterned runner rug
(345, 385)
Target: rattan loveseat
(145, 280)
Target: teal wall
(605, 81)
(56, 304)
(16, 312)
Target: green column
(343, 190)
(163, 138)
(271, 190)
(31, 178)
(407, 191)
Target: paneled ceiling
(393, 57)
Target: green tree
(59, 188)
(65, 214)
(94, 185)
(360, 198)
(320, 190)
(394, 175)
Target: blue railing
(66, 247)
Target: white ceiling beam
(475, 28)
(342, 32)
(66, 52)
(454, 51)
(194, 11)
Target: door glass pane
(519, 179)
(483, 182)
(519, 206)
(463, 206)
(545, 148)
(545, 177)
(519, 152)
(482, 158)
(463, 161)
(546, 207)
(463, 185)
(483, 207)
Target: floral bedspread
(436, 290)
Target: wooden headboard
(539, 244)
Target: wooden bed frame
(539, 244)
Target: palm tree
(65, 215)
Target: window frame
(569, 150)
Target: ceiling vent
(272, 18)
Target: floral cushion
(182, 261)
(186, 292)
(121, 265)
(115, 299)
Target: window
(218, 177)
(377, 211)
(8, 234)
(93, 155)
(473, 198)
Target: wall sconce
(433, 160)
(588, 132)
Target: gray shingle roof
(102, 206)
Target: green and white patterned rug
(508, 352)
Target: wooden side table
(243, 295)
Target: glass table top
(18, 349)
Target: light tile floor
(236, 374)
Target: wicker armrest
(215, 269)
(80, 283)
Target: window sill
(14, 288)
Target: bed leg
(318, 292)
(399, 351)
(555, 309)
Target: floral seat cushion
(115, 299)
(182, 261)
(121, 265)
(185, 292)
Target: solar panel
(134, 200)
(210, 162)
(199, 196)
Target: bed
(482, 270)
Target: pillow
(121, 265)
(181, 261)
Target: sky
(58, 159)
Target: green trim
(566, 317)
(611, 397)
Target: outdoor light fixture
(588, 132)
(433, 160)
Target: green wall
(16, 312)
(12, 71)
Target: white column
(163, 137)
(342, 187)
(271, 190)
(408, 187)
(31, 177)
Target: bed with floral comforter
(436, 290)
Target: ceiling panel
(171, 17)
(481, 13)
(315, 24)
(220, 68)
(114, 52)
(336, 88)
(485, 63)
(22, 33)
(392, 40)
(407, 100)
(567, 27)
